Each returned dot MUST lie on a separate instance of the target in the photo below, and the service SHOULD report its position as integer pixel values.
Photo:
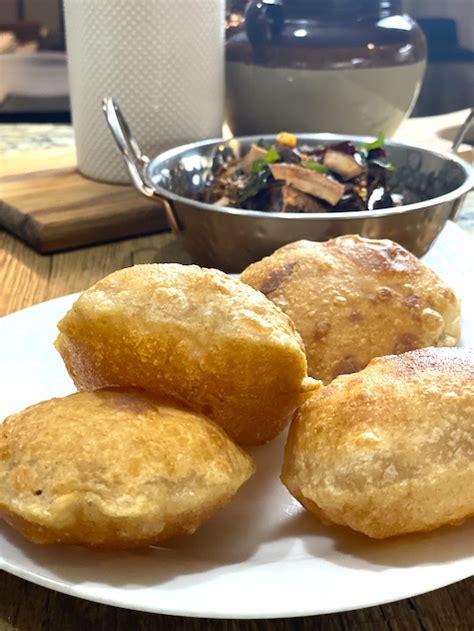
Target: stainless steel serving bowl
(433, 185)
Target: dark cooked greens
(285, 177)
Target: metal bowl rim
(453, 195)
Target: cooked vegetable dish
(285, 177)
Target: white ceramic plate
(263, 556)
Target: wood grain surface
(27, 607)
(27, 278)
(51, 206)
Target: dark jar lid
(320, 34)
(337, 8)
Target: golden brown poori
(353, 298)
(389, 450)
(114, 469)
(195, 334)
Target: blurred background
(33, 58)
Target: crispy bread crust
(114, 469)
(389, 450)
(353, 299)
(195, 334)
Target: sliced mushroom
(308, 181)
(296, 201)
(255, 153)
(342, 163)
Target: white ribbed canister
(163, 63)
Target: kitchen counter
(26, 137)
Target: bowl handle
(463, 131)
(135, 160)
(455, 146)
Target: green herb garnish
(258, 165)
(315, 166)
(378, 143)
(260, 174)
(271, 156)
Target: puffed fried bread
(389, 450)
(353, 299)
(195, 334)
(114, 469)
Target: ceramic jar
(344, 66)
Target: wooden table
(27, 278)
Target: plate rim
(68, 590)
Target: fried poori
(195, 334)
(114, 469)
(389, 450)
(353, 299)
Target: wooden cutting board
(46, 202)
